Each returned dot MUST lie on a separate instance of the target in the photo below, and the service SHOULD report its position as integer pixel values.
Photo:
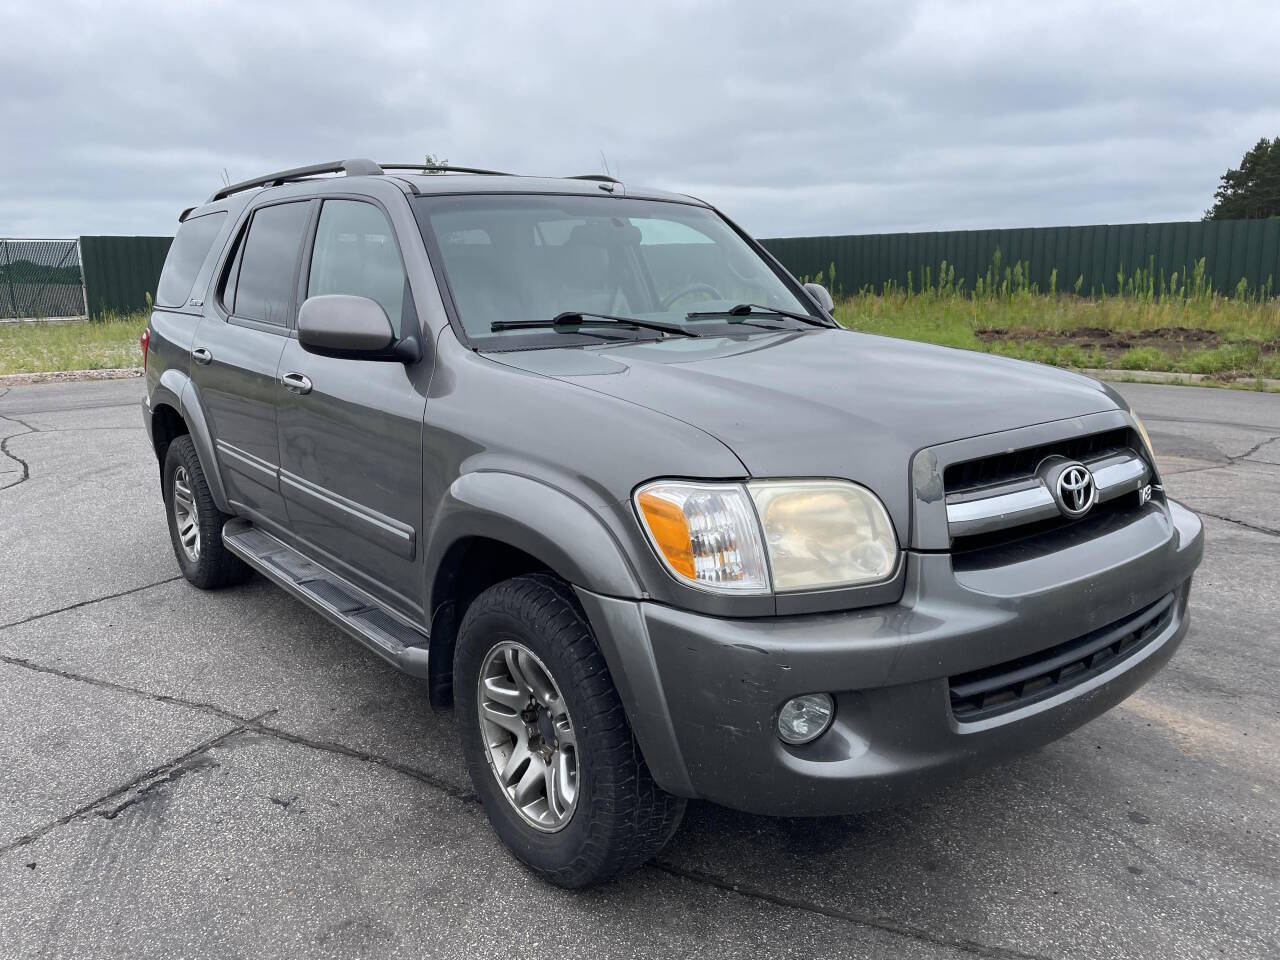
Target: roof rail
(367, 168)
(443, 168)
(351, 168)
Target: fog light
(806, 718)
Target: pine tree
(1251, 192)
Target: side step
(392, 638)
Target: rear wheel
(195, 522)
(546, 741)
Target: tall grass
(40, 346)
(1016, 318)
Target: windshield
(533, 257)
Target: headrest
(613, 232)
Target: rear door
(236, 354)
(351, 445)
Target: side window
(355, 253)
(186, 257)
(259, 285)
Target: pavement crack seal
(1254, 449)
(165, 698)
(254, 725)
(452, 790)
(84, 603)
(80, 407)
(1269, 531)
(4, 448)
(883, 924)
(193, 761)
(1230, 461)
(140, 786)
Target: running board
(390, 637)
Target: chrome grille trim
(1120, 474)
(1028, 500)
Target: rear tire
(195, 522)
(612, 817)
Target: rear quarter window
(187, 254)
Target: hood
(826, 403)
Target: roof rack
(352, 168)
(443, 168)
(367, 168)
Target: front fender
(568, 536)
(554, 527)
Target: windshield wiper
(746, 309)
(571, 320)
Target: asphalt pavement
(190, 774)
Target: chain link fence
(41, 279)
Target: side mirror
(820, 296)
(338, 325)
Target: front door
(236, 356)
(351, 435)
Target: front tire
(195, 522)
(546, 741)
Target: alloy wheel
(529, 738)
(186, 515)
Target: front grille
(1004, 498)
(989, 549)
(1019, 464)
(1007, 686)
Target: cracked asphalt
(188, 774)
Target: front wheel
(546, 741)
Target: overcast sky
(796, 118)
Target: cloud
(798, 118)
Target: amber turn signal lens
(707, 534)
(670, 531)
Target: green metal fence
(1094, 257)
(120, 273)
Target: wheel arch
(493, 526)
(176, 410)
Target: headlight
(706, 533)
(1142, 432)
(816, 534)
(824, 533)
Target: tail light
(144, 341)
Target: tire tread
(217, 567)
(632, 818)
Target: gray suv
(587, 460)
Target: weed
(42, 346)
(1173, 314)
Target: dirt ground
(1173, 341)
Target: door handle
(296, 382)
(201, 355)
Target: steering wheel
(691, 288)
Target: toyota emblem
(1075, 491)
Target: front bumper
(702, 693)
